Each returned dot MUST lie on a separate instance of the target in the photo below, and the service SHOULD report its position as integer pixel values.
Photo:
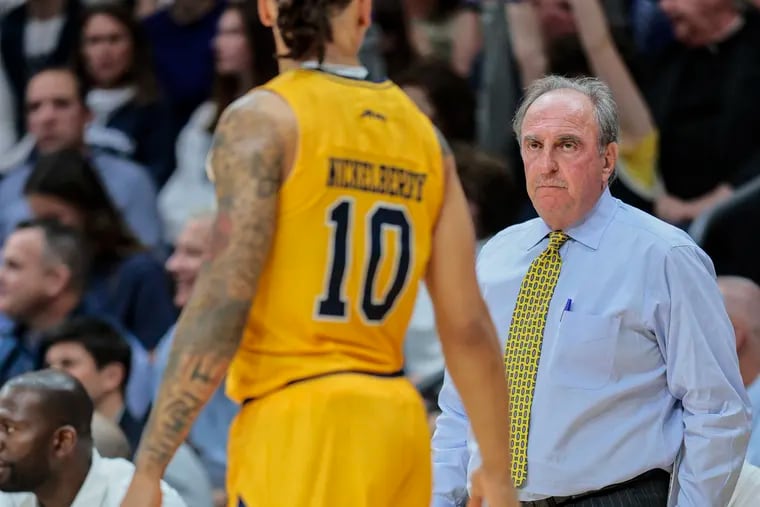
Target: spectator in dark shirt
(93, 352)
(130, 115)
(703, 93)
(127, 281)
(180, 36)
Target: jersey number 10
(333, 304)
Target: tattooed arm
(249, 160)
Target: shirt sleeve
(450, 452)
(698, 343)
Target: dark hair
(140, 73)
(68, 176)
(451, 97)
(80, 89)
(63, 399)
(305, 26)
(261, 46)
(490, 184)
(63, 244)
(99, 338)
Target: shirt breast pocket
(584, 354)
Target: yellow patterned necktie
(523, 349)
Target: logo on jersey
(368, 113)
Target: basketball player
(335, 198)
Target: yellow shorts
(341, 440)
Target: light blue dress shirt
(753, 451)
(643, 361)
(127, 183)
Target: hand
(672, 209)
(490, 491)
(143, 492)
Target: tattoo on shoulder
(247, 159)
(445, 147)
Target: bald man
(742, 297)
(46, 448)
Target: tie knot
(557, 239)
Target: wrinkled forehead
(560, 109)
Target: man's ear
(58, 278)
(365, 13)
(267, 12)
(610, 160)
(64, 441)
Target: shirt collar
(349, 71)
(588, 231)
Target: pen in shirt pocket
(567, 308)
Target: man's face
(693, 20)
(188, 257)
(55, 115)
(75, 360)
(564, 171)
(24, 274)
(26, 448)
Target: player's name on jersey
(375, 178)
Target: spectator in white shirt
(46, 448)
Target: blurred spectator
(96, 355)
(127, 281)
(446, 30)
(742, 297)
(208, 436)
(650, 27)
(48, 447)
(443, 96)
(244, 50)
(35, 35)
(180, 36)
(8, 134)
(93, 352)
(703, 93)
(388, 41)
(574, 38)
(42, 276)
(57, 116)
(129, 114)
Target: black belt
(399, 373)
(652, 475)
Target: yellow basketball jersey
(354, 227)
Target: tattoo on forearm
(247, 160)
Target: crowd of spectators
(107, 112)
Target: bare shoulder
(259, 125)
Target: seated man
(209, 433)
(42, 276)
(56, 118)
(47, 448)
(93, 352)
